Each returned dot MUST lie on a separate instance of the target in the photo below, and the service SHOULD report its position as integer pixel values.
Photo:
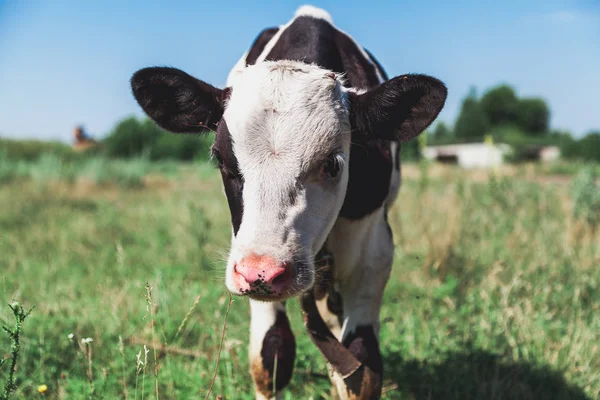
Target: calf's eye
(331, 167)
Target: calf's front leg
(363, 252)
(272, 348)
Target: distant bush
(410, 150)
(586, 149)
(472, 121)
(134, 138)
(31, 150)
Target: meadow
(494, 294)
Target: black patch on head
(310, 40)
(314, 40)
(363, 344)
(360, 72)
(377, 64)
(279, 342)
(233, 180)
(259, 44)
(369, 178)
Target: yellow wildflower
(42, 388)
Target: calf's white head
(282, 141)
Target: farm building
(468, 155)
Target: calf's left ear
(398, 109)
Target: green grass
(495, 291)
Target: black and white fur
(305, 97)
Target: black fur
(398, 109)
(378, 64)
(314, 40)
(233, 181)
(369, 180)
(259, 44)
(177, 101)
(279, 342)
(363, 344)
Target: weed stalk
(14, 335)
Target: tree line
(521, 122)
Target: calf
(307, 140)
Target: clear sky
(68, 62)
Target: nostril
(282, 277)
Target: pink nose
(262, 275)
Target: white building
(549, 153)
(468, 155)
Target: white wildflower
(87, 340)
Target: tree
(589, 146)
(500, 105)
(441, 131)
(534, 116)
(472, 121)
(133, 138)
(410, 150)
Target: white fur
(363, 251)
(315, 12)
(237, 69)
(285, 118)
(263, 318)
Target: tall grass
(11, 169)
(586, 197)
(494, 292)
(50, 169)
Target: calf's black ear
(176, 101)
(398, 109)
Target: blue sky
(64, 63)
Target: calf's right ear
(176, 101)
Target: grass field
(495, 291)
